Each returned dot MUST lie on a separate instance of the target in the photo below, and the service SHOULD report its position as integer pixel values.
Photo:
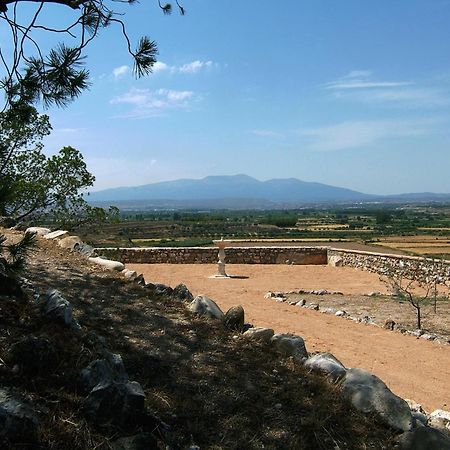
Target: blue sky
(349, 93)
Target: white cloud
(190, 67)
(195, 66)
(266, 133)
(360, 86)
(159, 66)
(121, 71)
(357, 134)
(148, 103)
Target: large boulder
(328, 364)
(259, 334)
(182, 293)
(18, 421)
(116, 403)
(290, 345)
(107, 263)
(370, 395)
(104, 370)
(234, 318)
(424, 438)
(204, 306)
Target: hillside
(204, 386)
(232, 187)
(242, 192)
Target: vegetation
(360, 223)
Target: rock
(129, 274)
(105, 370)
(301, 303)
(370, 395)
(34, 355)
(58, 309)
(204, 306)
(159, 289)
(140, 280)
(327, 363)
(389, 324)
(117, 403)
(234, 318)
(423, 438)
(18, 420)
(439, 419)
(428, 337)
(69, 242)
(420, 419)
(279, 299)
(290, 345)
(335, 261)
(182, 293)
(141, 441)
(414, 406)
(85, 249)
(269, 295)
(340, 313)
(259, 334)
(55, 234)
(313, 306)
(329, 310)
(373, 294)
(38, 231)
(107, 263)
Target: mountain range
(238, 191)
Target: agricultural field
(422, 229)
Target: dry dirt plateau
(411, 367)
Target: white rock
(439, 419)
(290, 345)
(131, 274)
(55, 234)
(107, 263)
(326, 362)
(370, 395)
(69, 242)
(340, 313)
(204, 306)
(259, 334)
(39, 231)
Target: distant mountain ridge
(242, 188)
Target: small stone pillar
(221, 263)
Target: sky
(349, 93)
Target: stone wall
(208, 255)
(383, 264)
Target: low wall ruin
(208, 255)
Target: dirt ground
(209, 388)
(411, 367)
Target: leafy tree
(60, 76)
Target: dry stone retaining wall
(384, 264)
(208, 255)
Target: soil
(413, 368)
(210, 388)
